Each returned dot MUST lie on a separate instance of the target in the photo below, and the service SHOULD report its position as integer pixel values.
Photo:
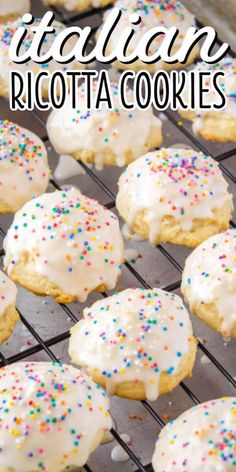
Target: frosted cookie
(137, 344)
(216, 125)
(7, 32)
(174, 195)
(12, 9)
(101, 137)
(24, 171)
(154, 13)
(65, 245)
(52, 417)
(209, 282)
(8, 314)
(78, 5)
(203, 439)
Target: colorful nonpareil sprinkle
(113, 116)
(7, 32)
(49, 416)
(227, 82)
(133, 336)
(155, 6)
(203, 438)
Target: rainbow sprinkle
(46, 411)
(17, 148)
(203, 438)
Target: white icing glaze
(154, 13)
(118, 454)
(24, 170)
(126, 438)
(198, 124)
(203, 439)
(180, 146)
(67, 167)
(50, 416)
(205, 360)
(131, 255)
(209, 276)
(133, 336)
(7, 31)
(77, 242)
(8, 293)
(227, 84)
(178, 182)
(14, 7)
(95, 130)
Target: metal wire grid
(48, 344)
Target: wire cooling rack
(170, 257)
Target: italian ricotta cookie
(174, 195)
(154, 13)
(10, 9)
(209, 282)
(138, 344)
(100, 136)
(212, 124)
(64, 245)
(24, 171)
(201, 439)
(8, 314)
(52, 417)
(7, 32)
(78, 5)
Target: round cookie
(216, 125)
(154, 13)
(78, 5)
(8, 314)
(12, 9)
(209, 282)
(52, 417)
(24, 171)
(138, 343)
(64, 245)
(174, 195)
(7, 32)
(203, 439)
(100, 136)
